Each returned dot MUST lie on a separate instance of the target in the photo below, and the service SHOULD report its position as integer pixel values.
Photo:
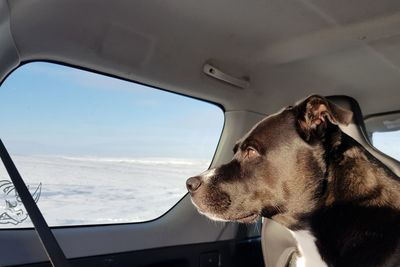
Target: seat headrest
(356, 129)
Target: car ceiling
(286, 48)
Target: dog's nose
(193, 183)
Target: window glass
(97, 150)
(384, 133)
(388, 143)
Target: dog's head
(277, 167)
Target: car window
(384, 133)
(98, 150)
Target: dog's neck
(356, 176)
(352, 175)
(359, 206)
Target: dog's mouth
(238, 216)
(248, 218)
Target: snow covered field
(85, 190)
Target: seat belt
(49, 242)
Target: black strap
(49, 242)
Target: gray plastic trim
(8, 51)
(220, 75)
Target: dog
(299, 169)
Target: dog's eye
(250, 153)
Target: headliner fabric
(288, 49)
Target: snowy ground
(84, 190)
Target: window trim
(65, 64)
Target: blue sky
(47, 108)
(388, 142)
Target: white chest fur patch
(310, 256)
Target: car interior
(249, 58)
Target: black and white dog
(298, 168)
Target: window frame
(98, 72)
(369, 131)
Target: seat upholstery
(277, 241)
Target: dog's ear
(316, 112)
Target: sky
(50, 109)
(388, 143)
